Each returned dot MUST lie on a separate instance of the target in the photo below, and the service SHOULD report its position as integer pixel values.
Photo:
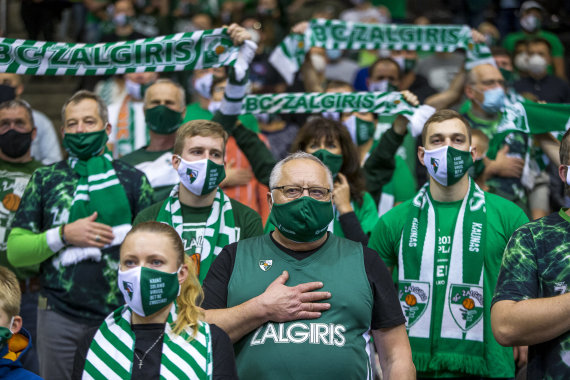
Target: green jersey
(535, 265)
(86, 291)
(503, 217)
(331, 347)
(157, 167)
(13, 180)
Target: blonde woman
(158, 333)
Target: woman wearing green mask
(355, 210)
(158, 333)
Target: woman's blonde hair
(191, 293)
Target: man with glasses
(485, 88)
(284, 331)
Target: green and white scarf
(381, 103)
(175, 52)
(220, 229)
(459, 348)
(111, 353)
(98, 189)
(288, 57)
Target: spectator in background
(126, 114)
(45, 147)
(122, 18)
(531, 16)
(545, 87)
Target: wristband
(61, 235)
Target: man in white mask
(205, 218)
(539, 82)
(447, 243)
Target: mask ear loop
(11, 323)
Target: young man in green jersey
(447, 243)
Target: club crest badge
(265, 265)
(435, 164)
(414, 299)
(192, 174)
(128, 286)
(466, 305)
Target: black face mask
(15, 144)
(7, 93)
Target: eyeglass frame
(325, 196)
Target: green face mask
(508, 75)
(5, 335)
(201, 177)
(162, 120)
(85, 145)
(303, 220)
(331, 160)
(147, 290)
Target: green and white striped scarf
(111, 353)
(288, 57)
(219, 231)
(460, 347)
(98, 189)
(381, 103)
(175, 52)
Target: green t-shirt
(503, 218)
(13, 180)
(195, 112)
(247, 223)
(366, 215)
(535, 265)
(401, 187)
(157, 166)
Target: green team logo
(435, 164)
(265, 265)
(414, 298)
(192, 174)
(128, 286)
(466, 305)
(217, 49)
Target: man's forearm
(531, 321)
(27, 248)
(239, 320)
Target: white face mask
(203, 85)
(537, 64)
(319, 62)
(147, 290)
(331, 115)
(446, 164)
(134, 89)
(568, 176)
(379, 86)
(401, 61)
(200, 177)
(521, 61)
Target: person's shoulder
(148, 214)
(134, 157)
(125, 169)
(240, 208)
(399, 211)
(501, 205)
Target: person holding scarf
(447, 244)
(203, 215)
(159, 332)
(338, 292)
(72, 218)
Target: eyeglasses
(294, 192)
